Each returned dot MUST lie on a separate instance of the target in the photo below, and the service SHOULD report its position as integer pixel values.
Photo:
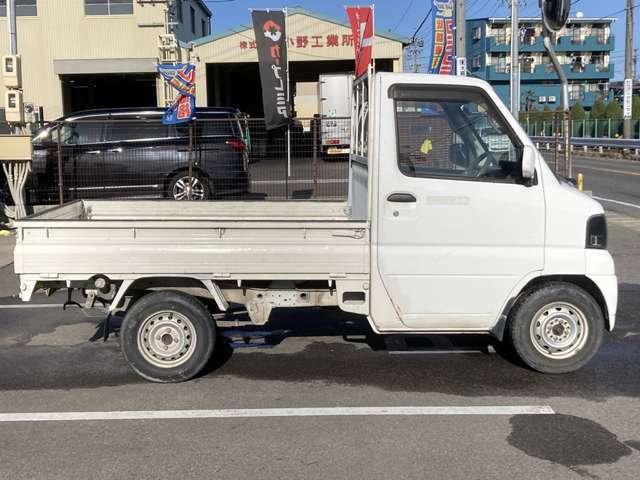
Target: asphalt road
(52, 361)
(614, 182)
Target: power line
(422, 22)
(406, 10)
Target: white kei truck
(334, 106)
(439, 234)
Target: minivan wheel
(556, 328)
(181, 185)
(168, 336)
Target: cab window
(454, 133)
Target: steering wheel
(492, 162)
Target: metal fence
(606, 128)
(216, 159)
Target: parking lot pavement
(52, 361)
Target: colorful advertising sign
(361, 20)
(443, 42)
(271, 43)
(181, 77)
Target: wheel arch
(581, 281)
(159, 283)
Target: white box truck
(334, 106)
(439, 234)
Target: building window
(193, 20)
(204, 28)
(179, 11)
(475, 64)
(477, 34)
(108, 7)
(24, 8)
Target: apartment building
(584, 49)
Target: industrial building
(83, 54)
(79, 54)
(584, 47)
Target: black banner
(271, 42)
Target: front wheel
(168, 336)
(556, 328)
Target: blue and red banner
(182, 77)
(443, 43)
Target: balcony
(591, 43)
(503, 44)
(546, 72)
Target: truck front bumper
(601, 270)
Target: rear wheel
(556, 328)
(182, 185)
(168, 336)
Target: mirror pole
(565, 101)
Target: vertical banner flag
(271, 42)
(361, 20)
(442, 45)
(182, 77)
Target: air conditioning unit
(12, 71)
(14, 106)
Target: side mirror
(528, 162)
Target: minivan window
(78, 133)
(218, 126)
(124, 130)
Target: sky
(403, 16)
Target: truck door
(458, 226)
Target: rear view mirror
(528, 161)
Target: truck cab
(463, 233)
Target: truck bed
(230, 240)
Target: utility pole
(461, 47)
(417, 43)
(515, 64)
(11, 23)
(628, 71)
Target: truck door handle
(401, 198)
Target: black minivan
(125, 153)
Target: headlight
(596, 232)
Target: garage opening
(238, 84)
(90, 91)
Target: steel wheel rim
(183, 185)
(559, 330)
(167, 339)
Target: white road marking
(274, 412)
(618, 202)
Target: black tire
(202, 189)
(185, 314)
(538, 322)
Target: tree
(577, 112)
(613, 110)
(635, 107)
(598, 109)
